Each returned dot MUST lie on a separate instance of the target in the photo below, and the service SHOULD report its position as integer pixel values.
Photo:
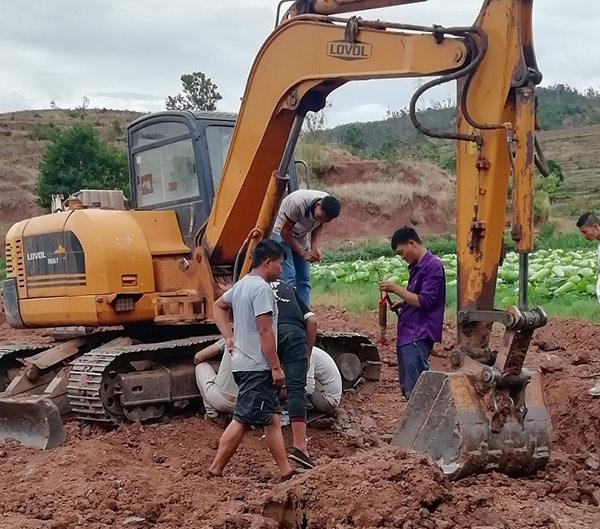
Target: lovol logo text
(348, 51)
(34, 256)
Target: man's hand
(278, 376)
(229, 344)
(312, 257)
(389, 286)
(396, 305)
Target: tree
(76, 159)
(354, 139)
(199, 93)
(315, 122)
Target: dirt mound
(382, 488)
(153, 477)
(378, 197)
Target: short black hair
(267, 249)
(404, 235)
(587, 219)
(331, 207)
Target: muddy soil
(153, 476)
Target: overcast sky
(129, 54)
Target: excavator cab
(176, 160)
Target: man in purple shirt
(421, 309)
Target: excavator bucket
(32, 421)
(448, 420)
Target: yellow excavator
(206, 189)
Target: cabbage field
(552, 274)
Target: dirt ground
(153, 476)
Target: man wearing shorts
(255, 365)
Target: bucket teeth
(449, 421)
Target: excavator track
(94, 377)
(10, 353)
(91, 374)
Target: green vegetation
(558, 106)
(199, 93)
(362, 299)
(546, 239)
(2, 269)
(565, 274)
(76, 159)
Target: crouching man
(219, 390)
(323, 383)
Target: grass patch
(361, 299)
(2, 269)
(372, 249)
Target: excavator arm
(301, 62)
(489, 413)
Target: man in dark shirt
(296, 334)
(421, 312)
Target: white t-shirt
(224, 380)
(250, 297)
(324, 376)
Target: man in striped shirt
(298, 228)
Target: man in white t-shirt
(219, 390)
(589, 226)
(323, 382)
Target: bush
(76, 159)
(43, 132)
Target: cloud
(130, 54)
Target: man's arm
(208, 352)
(408, 297)
(430, 290)
(288, 237)
(310, 320)
(221, 315)
(315, 237)
(311, 334)
(264, 322)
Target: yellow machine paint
(80, 267)
(161, 268)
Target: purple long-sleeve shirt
(427, 280)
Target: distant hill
(559, 107)
(23, 139)
(570, 134)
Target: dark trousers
(291, 348)
(413, 359)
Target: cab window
(218, 139)
(165, 173)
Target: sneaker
(595, 391)
(301, 458)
